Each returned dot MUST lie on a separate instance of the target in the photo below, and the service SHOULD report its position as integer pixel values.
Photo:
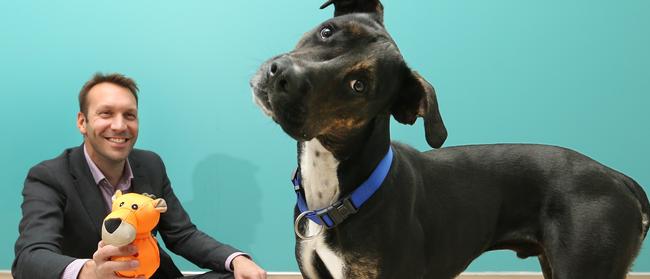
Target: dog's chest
(320, 182)
(318, 171)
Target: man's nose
(118, 123)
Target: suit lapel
(90, 195)
(140, 183)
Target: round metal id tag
(296, 227)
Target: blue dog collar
(343, 208)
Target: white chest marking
(318, 171)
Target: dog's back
(640, 194)
(533, 187)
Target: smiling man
(66, 198)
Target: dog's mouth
(289, 114)
(259, 86)
(290, 117)
(292, 120)
(261, 99)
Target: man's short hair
(114, 78)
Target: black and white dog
(369, 208)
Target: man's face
(110, 127)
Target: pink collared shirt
(108, 190)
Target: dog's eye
(134, 206)
(326, 32)
(121, 204)
(357, 86)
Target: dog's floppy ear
(343, 7)
(417, 98)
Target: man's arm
(38, 250)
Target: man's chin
(119, 156)
(102, 153)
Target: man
(65, 199)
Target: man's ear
(81, 122)
(343, 7)
(417, 98)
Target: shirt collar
(98, 176)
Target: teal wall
(570, 73)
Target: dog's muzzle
(281, 89)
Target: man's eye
(104, 114)
(131, 116)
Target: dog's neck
(318, 170)
(333, 168)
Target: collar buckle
(340, 211)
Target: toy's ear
(343, 7)
(160, 205)
(417, 98)
(117, 194)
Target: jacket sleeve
(38, 248)
(183, 238)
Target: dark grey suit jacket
(63, 211)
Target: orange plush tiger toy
(132, 218)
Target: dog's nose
(112, 224)
(273, 70)
(279, 66)
(282, 73)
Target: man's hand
(101, 266)
(245, 268)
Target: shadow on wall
(227, 200)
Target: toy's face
(131, 214)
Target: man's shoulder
(146, 162)
(60, 160)
(144, 156)
(54, 167)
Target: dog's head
(131, 214)
(342, 75)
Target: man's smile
(117, 140)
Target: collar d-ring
(297, 229)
